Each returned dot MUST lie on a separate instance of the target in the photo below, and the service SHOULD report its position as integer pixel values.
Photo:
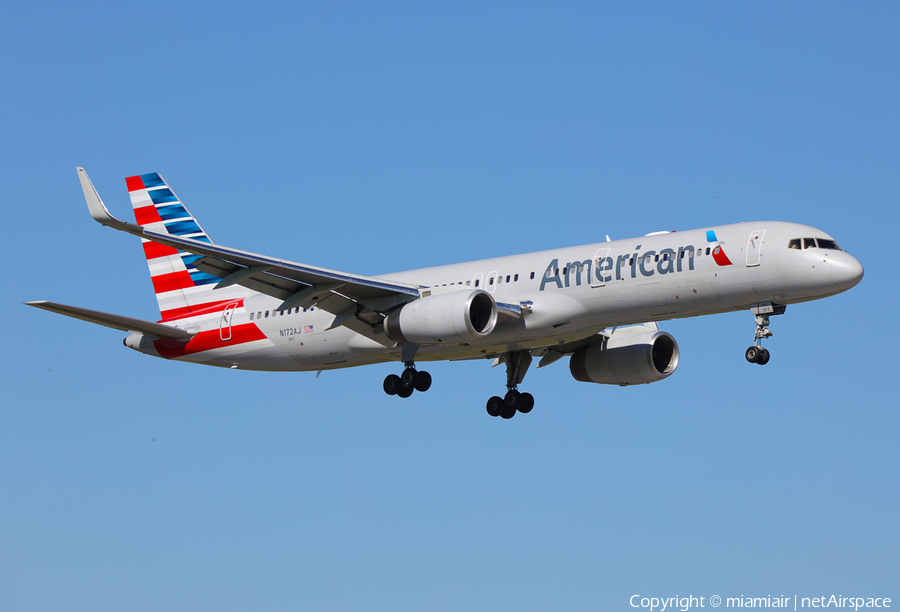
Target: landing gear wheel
(513, 399)
(507, 412)
(763, 357)
(752, 354)
(405, 391)
(495, 406)
(409, 377)
(423, 382)
(392, 384)
(526, 403)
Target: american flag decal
(307, 329)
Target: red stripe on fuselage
(199, 309)
(172, 281)
(146, 214)
(208, 340)
(153, 250)
(134, 183)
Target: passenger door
(225, 322)
(754, 247)
(596, 274)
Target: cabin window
(707, 250)
(507, 278)
(267, 314)
(532, 276)
(468, 283)
(809, 243)
(516, 278)
(251, 315)
(477, 282)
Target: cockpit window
(825, 243)
(794, 244)
(809, 243)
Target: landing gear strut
(756, 353)
(411, 379)
(517, 363)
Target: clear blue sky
(372, 137)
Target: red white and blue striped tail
(181, 289)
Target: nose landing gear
(756, 353)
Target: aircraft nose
(846, 271)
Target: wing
(357, 301)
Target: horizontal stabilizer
(114, 321)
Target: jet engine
(631, 356)
(457, 317)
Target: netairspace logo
(661, 604)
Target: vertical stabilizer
(181, 289)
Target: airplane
(597, 304)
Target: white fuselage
(568, 294)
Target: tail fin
(181, 289)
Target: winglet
(96, 207)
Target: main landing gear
(756, 353)
(404, 385)
(517, 363)
(411, 379)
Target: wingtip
(95, 204)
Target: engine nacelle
(631, 356)
(448, 318)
